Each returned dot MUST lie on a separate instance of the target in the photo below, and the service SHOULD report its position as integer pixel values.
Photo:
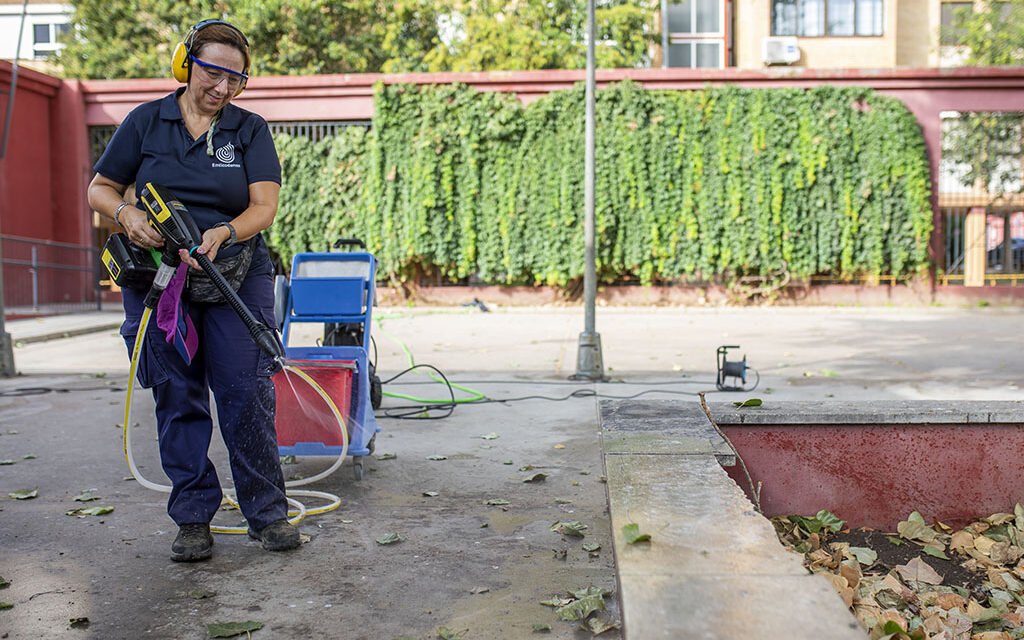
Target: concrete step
(714, 568)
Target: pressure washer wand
(263, 335)
(170, 217)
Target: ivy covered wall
(451, 183)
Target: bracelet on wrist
(232, 235)
(117, 213)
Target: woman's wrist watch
(232, 238)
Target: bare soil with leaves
(923, 582)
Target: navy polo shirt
(153, 145)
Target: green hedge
(453, 183)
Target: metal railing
(42, 276)
(1004, 242)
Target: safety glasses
(215, 73)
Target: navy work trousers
(230, 364)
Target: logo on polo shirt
(226, 155)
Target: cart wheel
(372, 444)
(357, 468)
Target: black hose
(261, 334)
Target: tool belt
(234, 269)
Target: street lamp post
(6, 348)
(589, 364)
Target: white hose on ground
(300, 512)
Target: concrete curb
(65, 333)
(714, 569)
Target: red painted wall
(42, 190)
(876, 475)
(27, 175)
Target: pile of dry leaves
(924, 582)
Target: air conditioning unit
(780, 50)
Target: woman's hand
(108, 197)
(212, 240)
(136, 225)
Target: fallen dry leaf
(1000, 552)
(892, 583)
(950, 601)
(978, 613)
(984, 544)
(981, 558)
(867, 613)
(851, 571)
(996, 578)
(919, 571)
(997, 519)
(892, 615)
(821, 559)
(842, 586)
(933, 624)
(961, 540)
(991, 635)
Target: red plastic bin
(302, 415)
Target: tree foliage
(127, 39)
(120, 39)
(991, 34)
(459, 185)
(988, 146)
(547, 34)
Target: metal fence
(314, 130)
(41, 276)
(980, 170)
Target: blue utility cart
(336, 289)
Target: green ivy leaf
(752, 402)
(232, 629)
(90, 511)
(389, 538)
(864, 555)
(572, 528)
(631, 532)
(915, 528)
(24, 494)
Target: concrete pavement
(464, 565)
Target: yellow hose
(300, 511)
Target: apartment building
(39, 31)
(823, 34)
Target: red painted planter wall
(876, 475)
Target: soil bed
(891, 555)
(925, 582)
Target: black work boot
(194, 543)
(279, 535)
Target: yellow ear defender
(181, 65)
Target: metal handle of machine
(263, 335)
(349, 242)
